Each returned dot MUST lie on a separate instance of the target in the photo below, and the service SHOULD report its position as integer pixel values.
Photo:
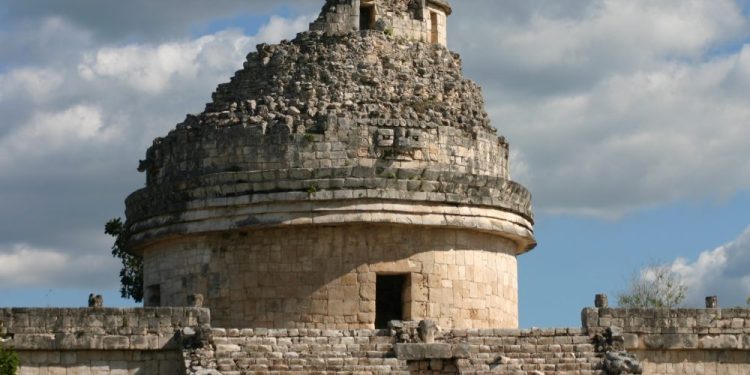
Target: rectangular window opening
(390, 298)
(367, 17)
(434, 37)
(153, 295)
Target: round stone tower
(339, 180)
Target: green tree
(655, 286)
(131, 274)
(8, 361)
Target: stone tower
(339, 180)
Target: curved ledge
(240, 213)
(302, 185)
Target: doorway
(367, 17)
(390, 292)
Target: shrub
(8, 361)
(655, 286)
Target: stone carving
(712, 302)
(398, 143)
(427, 330)
(195, 300)
(617, 361)
(601, 301)
(621, 363)
(96, 300)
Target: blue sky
(628, 120)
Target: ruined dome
(325, 119)
(327, 162)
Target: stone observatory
(341, 180)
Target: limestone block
(720, 342)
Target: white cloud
(51, 133)
(36, 83)
(74, 127)
(724, 271)
(617, 105)
(22, 265)
(279, 28)
(152, 68)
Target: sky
(629, 120)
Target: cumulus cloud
(49, 133)
(611, 106)
(75, 126)
(724, 271)
(144, 20)
(22, 265)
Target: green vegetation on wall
(8, 361)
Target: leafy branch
(131, 274)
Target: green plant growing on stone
(131, 274)
(655, 286)
(8, 361)
(388, 31)
(312, 189)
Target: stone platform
(182, 341)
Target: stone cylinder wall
(325, 277)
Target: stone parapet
(97, 328)
(678, 341)
(674, 328)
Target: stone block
(726, 342)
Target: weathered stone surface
(256, 202)
(457, 279)
(679, 341)
(559, 351)
(617, 363)
(416, 20)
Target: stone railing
(678, 341)
(98, 340)
(665, 329)
(97, 328)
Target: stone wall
(411, 19)
(366, 98)
(680, 341)
(97, 340)
(324, 277)
(101, 362)
(176, 340)
(505, 352)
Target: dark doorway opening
(366, 17)
(389, 299)
(153, 296)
